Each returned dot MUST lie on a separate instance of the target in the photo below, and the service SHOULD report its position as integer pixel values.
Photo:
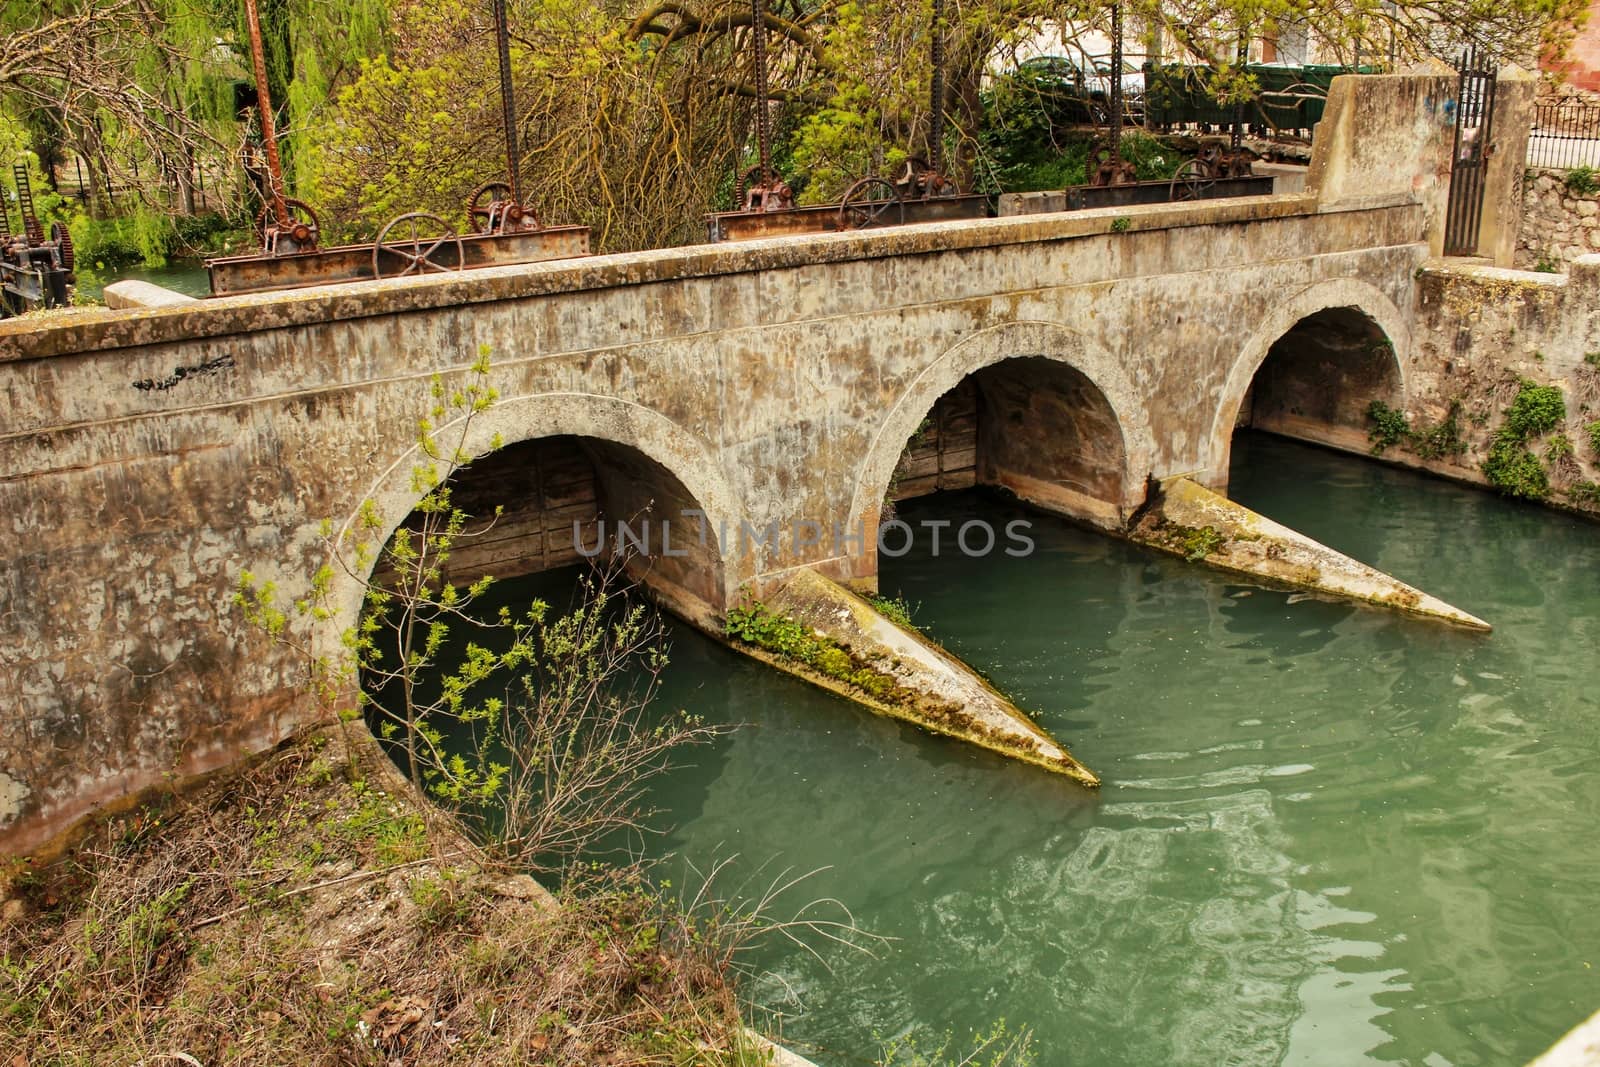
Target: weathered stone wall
(1481, 333)
(1558, 225)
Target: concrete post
(1507, 161)
(1388, 134)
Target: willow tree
(144, 90)
(616, 132)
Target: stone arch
(515, 420)
(1340, 295)
(1044, 341)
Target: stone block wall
(1558, 225)
(1482, 336)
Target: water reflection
(1328, 834)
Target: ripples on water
(1328, 834)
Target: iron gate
(1474, 132)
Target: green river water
(1328, 834)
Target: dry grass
(301, 911)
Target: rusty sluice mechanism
(34, 270)
(920, 193)
(507, 228)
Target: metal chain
(1116, 82)
(758, 60)
(936, 93)
(1238, 104)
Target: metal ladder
(30, 220)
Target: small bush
(1593, 430)
(1583, 181)
(1443, 439)
(1546, 265)
(1389, 426)
(1537, 409)
(1515, 471)
(1120, 224)
(1585, 493)
(895, 609)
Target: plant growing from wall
(1511, 466)
(756, 624)
(895, 609)
(1593, 430)
(1583, 181)
(535, 733)
(1389, 427)
(1442, 440)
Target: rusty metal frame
(824, 218)
(234, 275)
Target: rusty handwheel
(416, 243)
(302, 219)
(493, 209)
(763, 190)
(919, 181)
(871, 202)
(1106, 168)
(1191, 181)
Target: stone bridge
(147, 457)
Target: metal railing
(1564, 136)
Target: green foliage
(1537, 409)
(1583, 181)
(997, 1047)
(1585, 494)
(1592, 358)
(1515, 471)
(1558, 448)
(1546, 265)
(1196, 543)
(895, 609)
(146, 237)
(1120, 224)
(1511, 466)
(1442, 440)
(1389, 427)
(1593, 430)
(756, 624)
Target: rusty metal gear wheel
(871, 202)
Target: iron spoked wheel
(299, 212)
(416, 243)
(871, 202)
(1190, 183)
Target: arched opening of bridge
(1319, 380)
(571, 500)
(1035, 427)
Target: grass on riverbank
(300, 911)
